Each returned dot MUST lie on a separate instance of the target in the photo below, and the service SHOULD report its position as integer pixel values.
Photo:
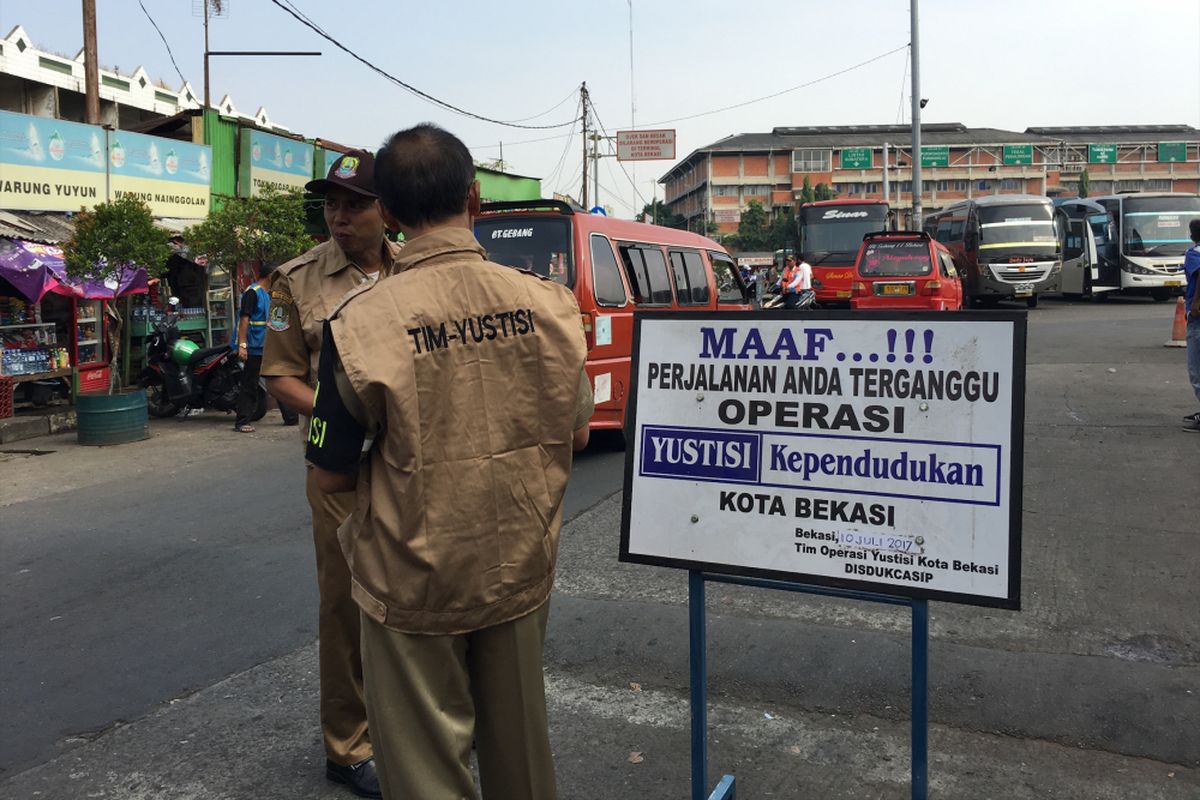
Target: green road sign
(1102, 153)
(935, 156)
(1172, 151)
(1018, 154)
(857, 158)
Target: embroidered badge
(348, 168)
(280, 318)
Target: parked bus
(1006, 246)
(614, 267)
(831, 232)
(1091, 265)
(1152, 237)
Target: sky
(1010, 65)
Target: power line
(562, 158)
(300, 17)
(632, 183)
(570, 94)
(797, 87)
(164, 41)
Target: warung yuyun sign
(879, 453)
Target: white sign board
(652, 145)
(880, 452)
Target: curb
(15, 429)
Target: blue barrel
(112, 418)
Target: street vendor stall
(54, 327)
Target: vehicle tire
(1087, 283)
(260, 407)
(1160, 295)
(157, 403)
(1031, 301)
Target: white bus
(1152, 236)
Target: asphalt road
(135, 576)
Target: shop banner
(172, 177)
(35, 269)
(877, 452)
(270, 160)
(49, 164)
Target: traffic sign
(650, 145)
(1172, 151)
(1102, 153)
(1018, 154)
(935, 156)
(857, 158)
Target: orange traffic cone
(1178, 327)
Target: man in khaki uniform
(305, 290)
(464, 382)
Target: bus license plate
(1023, 290)
(897, 289)
(1172, 283)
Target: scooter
(182, 376)
(775, 300)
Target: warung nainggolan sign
(879, 453)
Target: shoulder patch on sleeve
(279, 318)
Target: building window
(960, 186)
(812, 160)
(983, 186)
(113, 83)
(757, 190)
(906, 186)
(1129, 186)
(1158, 185)
(163, 97)
(1099, 187)
(57, 66)
(725, 191)
(850, 188)
(871, 188)
(1011, 184)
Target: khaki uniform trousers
(428, 695)
(343, 713)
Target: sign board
(652, 145)
(1102, 153)
(880, 453)
(172, 177)
(1172, 151)
(935, 156)
(322, 160)
(727, 215)
(49, 164)
(857, 158)
(1015, 154)
(270, 160)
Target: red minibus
(614, 267)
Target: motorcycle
(182, 376)
(775, 300)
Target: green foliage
(658, 213)
(1084, 183)
(823, 192)
(806, 191)
(782, 232)
(753, 232)
(268, 228)
(118, 233)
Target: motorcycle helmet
(182, 350)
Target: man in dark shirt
(251, 333)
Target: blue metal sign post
(726, 789)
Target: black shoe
(360, 777)
(290, 422)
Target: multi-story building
(714, 184)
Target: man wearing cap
(305, 291)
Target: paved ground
(1091, 691)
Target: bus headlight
(1137, 269)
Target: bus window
(647, 272)
(691, 281)
(606, 275)
(729, 284)
(539, 245)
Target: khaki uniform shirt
(471, 373)
(306, 289)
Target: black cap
(354, 171)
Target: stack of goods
(15, 311)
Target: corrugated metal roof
(1131, 134)
(45, 227)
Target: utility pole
(915, 44)
(887, 195)
(595, 168)
(91, 69)
(207, 103)
(583, 102)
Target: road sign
(651, 145)
(1172, 151)
(1102, 153)
(935, 156)
(857, 158)
(874, 454)
(727, 215)
(1018, 154)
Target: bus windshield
(1158, 226)
(834, 233)
(1018, 229)
(538, 244)
(896, 259)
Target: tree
(113, 237)
(823, 192)
(782, 232)
(1084, 183)
(752, 232)
(267, 228)
(806, 191)
(658, 213)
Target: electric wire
(552, 108)
(164, 41)
(632, 183)
(562, 158)
(300, 17)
